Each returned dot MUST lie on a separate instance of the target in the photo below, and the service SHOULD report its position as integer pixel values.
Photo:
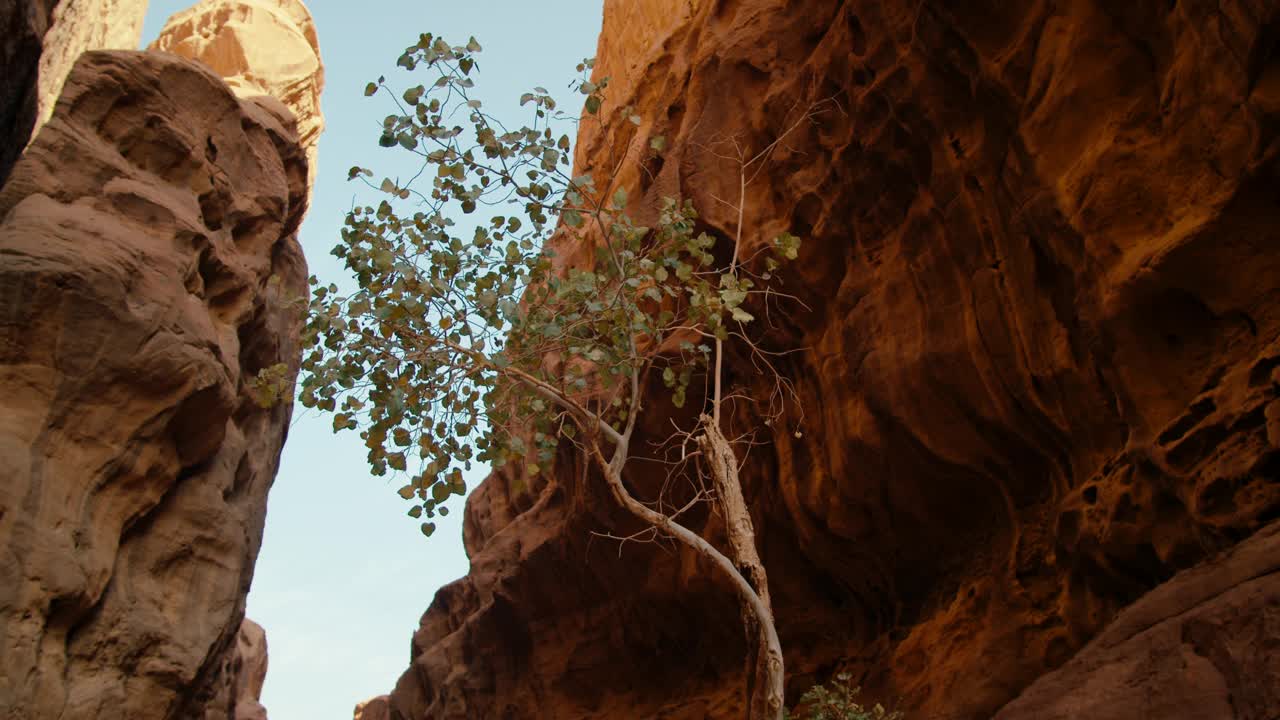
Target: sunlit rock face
(150, 261)
(260, 47)
(250, 671)
(377, 708)
(1037, 375)
(39, 41)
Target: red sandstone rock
(1206, 644)
(149, 257)
(1039, 376)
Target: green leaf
(592, 104)
(787, 245)
(620, 198)
(658, 142)
(370, 89)
(741, 315)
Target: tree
(478, 344)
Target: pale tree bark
(773, 685)
(760, 665)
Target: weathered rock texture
(250, 671)
(260, 47)
(39, 41)
(149, 260)
(1206, 644)
(378, 708)
(1038, 377)
(79, 26)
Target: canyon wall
(39, 42)
(1037, 317)
(259, 47)
(152, 268)
(151, 261)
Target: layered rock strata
(150, 269)
(39, 41)
(1039, 372)
(260, 47)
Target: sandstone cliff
(1039, 373)
(150, 261)
(39, 41)
(259, 47)
(249, 671)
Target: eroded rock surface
(39, 41)
(1206, 644)
(79, 26)
(260, 47)
(1039, 375)
(149, 262)
(378, 708)
(250, 671)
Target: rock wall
(151, 262)
(260, 47)
(378, 708)
(39, 41)
(1206, 644)
(249, 671)
(1039, 373)
(80, 25)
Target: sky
(344, 575)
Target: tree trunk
(723, 464)
(772, 679)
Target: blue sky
(344, 575)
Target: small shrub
(837, 703)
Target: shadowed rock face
(150, 255)
(39, 41)
(1038, 375)
(1206, 644)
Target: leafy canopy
(473, 342)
